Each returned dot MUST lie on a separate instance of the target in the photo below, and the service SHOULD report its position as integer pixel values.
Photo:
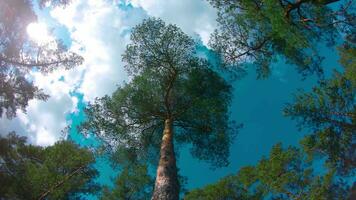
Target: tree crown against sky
(285, 174)
(19, 56)
(152, 57)
(61, 171)
(198, 102)
(329, 112)
(263, 31)
(133, 183)
(172, 90)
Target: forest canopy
(174, 113)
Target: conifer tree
(61, 171)
(173, 97)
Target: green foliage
(226, 188)
(61, 171)
(259, 31)
(329, 111)
(169, 82)
(19, 55)
(348, 59)
(286, 174)
(159, 47)
(133, 183)
(135, 174)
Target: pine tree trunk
(166, 186)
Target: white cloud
(99, 30)
(193, 16)
(44, 120)
(39, 33)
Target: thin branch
(58, 184)
(32, 63)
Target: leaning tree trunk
(166, 186)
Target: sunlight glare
(38, 33)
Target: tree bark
(166, 185)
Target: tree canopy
(260, 31)
(19, 56)
(61, 171)
(286, 174)
(175, 98)
(170, 87)
(329, 111)
(133, 183)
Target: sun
(38, 32)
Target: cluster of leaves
(61, 171)
(329, 111)
(133, 183)
(258, 31)
(286, 174)
(19, 56)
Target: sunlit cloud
(99, 31)
(38, 32)
(192, 16)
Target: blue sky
(99, 31)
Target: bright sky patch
(38, 32)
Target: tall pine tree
(173, 97)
